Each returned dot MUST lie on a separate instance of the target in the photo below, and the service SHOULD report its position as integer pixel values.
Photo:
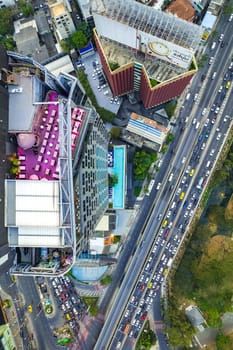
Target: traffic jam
(68, 301)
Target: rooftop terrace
(38, 152)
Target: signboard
(164, 50)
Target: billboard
(164, 50)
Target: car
(186, 214)
(220, 88)
(169, 214)
(217, 110)
(204, 111)
(222, 44)
(207, 173)
(75, 311)
(173, 205)
(211, 60)
(178, 191)
(225, 119)
(184, 179)
(218, 136)
(183, 160)
(212, 152)
(213, 45)
(213, 107)
(230, 18)
(158, 186)
(71, 324)
(194, 121)
(163, 242)
(192, 172)
(213, 120)
(195, 97)
(74, 301)
(170, 225)
(221, 37)
(203, 146)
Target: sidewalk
(10, 315)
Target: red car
(144, 316)
(166, 233)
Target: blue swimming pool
(119, 170)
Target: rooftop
(57, 10)
(183, 9)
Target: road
(42, 331)
(209, 91)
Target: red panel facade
(166, 92)
(121, 82)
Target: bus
(150, 186)
(126, 329)
(228, 84)
(182, 195)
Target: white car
(158, 186)
(194, 121)
(212, 152)
(203, 146)
(204, 111)
(207, 122)
(218, 136)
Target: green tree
(6, 21)
(79, 39)
(115, 132)
(112, 180)
(142, 162)
(170, 138)
(223, 342)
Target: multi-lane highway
(202, 131)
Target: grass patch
(107, 116)
(106, 280)
(137, 190)
(92, 305)
(153, 82)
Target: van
(170, 177)
(213, 45)
(197, 125)
(214, 75)
(208, 164)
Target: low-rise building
(62, 20)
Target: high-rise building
(145, 50)
(56, 189)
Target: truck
(199, 184)
(169, 263)
(151, 184)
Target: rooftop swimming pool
(118, 169)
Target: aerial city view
(116, 206)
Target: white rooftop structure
(61, 64)
(34, 215)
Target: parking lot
(68, 301)
(99, 84)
